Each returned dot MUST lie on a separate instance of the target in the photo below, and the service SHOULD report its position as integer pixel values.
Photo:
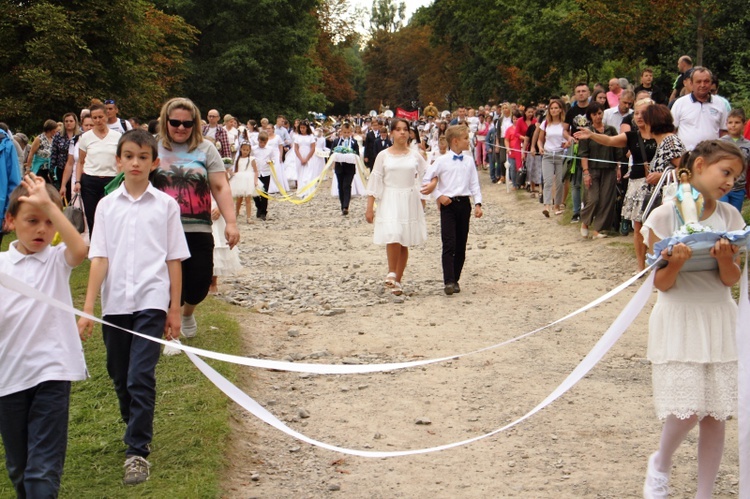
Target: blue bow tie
(459, 157)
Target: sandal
(545, 212)
(390, 280)
(397, 289)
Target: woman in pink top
(513, 146)
(480, 149)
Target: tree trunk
(699, 35)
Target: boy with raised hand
(454, 179)
(135, 259)
(40, 352)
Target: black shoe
(456, 288)
(449, 289)
(262, 217)
(575, 219)
(345, 211)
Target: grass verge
(191, 425)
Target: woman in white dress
(304, 151)
(395, 182)
(290, 160)
(275, 141)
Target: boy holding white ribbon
(40, 352)
(136, 256)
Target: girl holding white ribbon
(692, 327)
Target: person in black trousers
(376, 140)
(345, 171)
(453, 178)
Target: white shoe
(189, 326)
(656, 485)
(170, 350)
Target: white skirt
(243, 184)
(400, 218)
(226, 261)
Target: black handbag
(74, 213)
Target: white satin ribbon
(615, 331)
(24, 289)
(743, 385)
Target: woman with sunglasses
(191, 171)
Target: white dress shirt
(137, 237)
(456, 177)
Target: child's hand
(444, 200)
(724, 251)
(215, 214)
(369, 216)
(38, 196)
(85, 328)
(172, 325)
(677, 254)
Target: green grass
(191, 425)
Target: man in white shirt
(614, 115)
(113, 122)
(698, 116)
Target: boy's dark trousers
(131, 363)
(261, 203)
(345, 175)
(454, 232)
(34, 427)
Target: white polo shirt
(697, 121)
(38, 342)
(138, 237)
(456, 177)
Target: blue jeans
(513, 172)
(491, 163)
(34, 427)
(131, 363)
(735, 198)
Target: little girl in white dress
(244, 180)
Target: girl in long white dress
(304, 151)
(244, 180)
(394, 182)
(275, 141)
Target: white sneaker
(189, 326)
(170, 350)
(656, 485)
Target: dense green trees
(58, 54)
(257, 58)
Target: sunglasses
(177, 123)
(109, 101)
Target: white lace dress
(691, 342)
(394, 183)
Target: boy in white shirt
(40, 352)
(263, 156)
(136, 255)
(453, 177)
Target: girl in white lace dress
(394, 182)
(691, 341)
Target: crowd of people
(161, 202)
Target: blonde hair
(455, 132)
(196, 135)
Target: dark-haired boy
(136, 255)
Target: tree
(253, 58)
(387, 15)
(59, 54)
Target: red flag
(409, 115)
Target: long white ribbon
(743, 384)
(605, 343)
(23, 288)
